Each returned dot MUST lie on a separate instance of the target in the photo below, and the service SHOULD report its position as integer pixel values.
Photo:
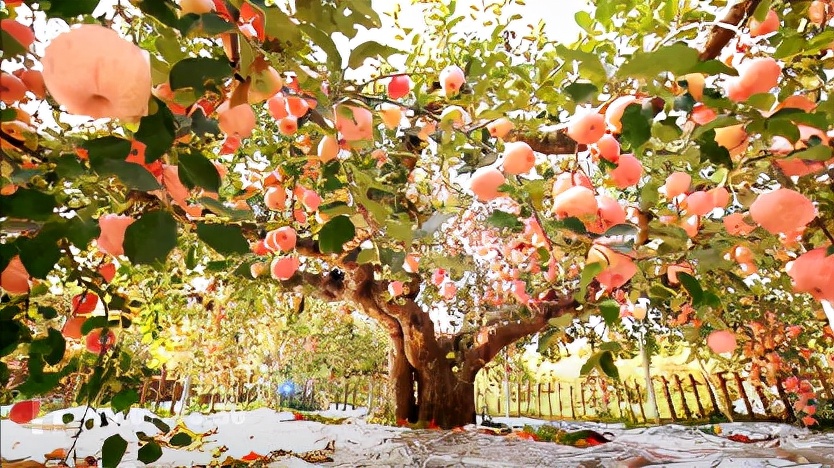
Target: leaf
(502, 219)
(70, 8)
(588, 274)
(713, 152)
(11, 48)
(546, 338)
(200, 74)
(590, 66)
(623, 230)
(370, 49)
(67, 418)
(581, 92)
(160, 424)
(112, 451)
(150, 452)
(335, 233)
(692, 286)
(325, 42)
(150, 239)
(109, 147)
(610, 311)
(39, 254)
(163, 10)
(637, 128)
(132, 175)
(195, 170)
(93, 323)
(224, 239)
(589, 365)
(52, 347)
(606, 364)
(122, 400)
(47, 312)
(26, 203)
(180, 440)
(220, 209)
(157, 131)
(678, 59)
(814, 153)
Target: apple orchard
(669, 172)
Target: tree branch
(491, 339)
(720, 35)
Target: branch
(491, 339)
(721, 35)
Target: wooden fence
(678, 397)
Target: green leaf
(814, 153)
(160, 424)
(81, 231)
(195, 170)
(109, 147)
(589, 365)
(71, 8)
(713, 152)
(132, 175)
(692, 286)
(163, 10)
(10, 336)
(581, 92)
(220, 209)
(52, 347)
(224, 239)
(324, 40)
(624, 230)
(637, 128)
(150, 452)
(678, 59)
(588, 274)
(122, 400)
(47, 312)
(335, 233)
(112, 451)
(93, 323)
(67, 418)
(39, 254)
(26, 203)
(11, 48)
(200, 74)
(157, 131)
(606, 364)
(150, 239)
(590, 66)
(502, 219)
(180, 440)
(370, 49)
(610, 311)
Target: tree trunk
(444, 400)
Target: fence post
(572, 408)
(640, 401)
(790, 416)
(347, 393)
(582, 399)
(518, 396)
(744, 396)
(725, 392)
(686, 410)
(668, 395)
(824, 381)
(701, 412)
(539, 398)
(763, 398)
(549, 401)
(529, 398)
(559, 388)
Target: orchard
(209, 168)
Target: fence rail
(678, 397)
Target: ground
(358, 443)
